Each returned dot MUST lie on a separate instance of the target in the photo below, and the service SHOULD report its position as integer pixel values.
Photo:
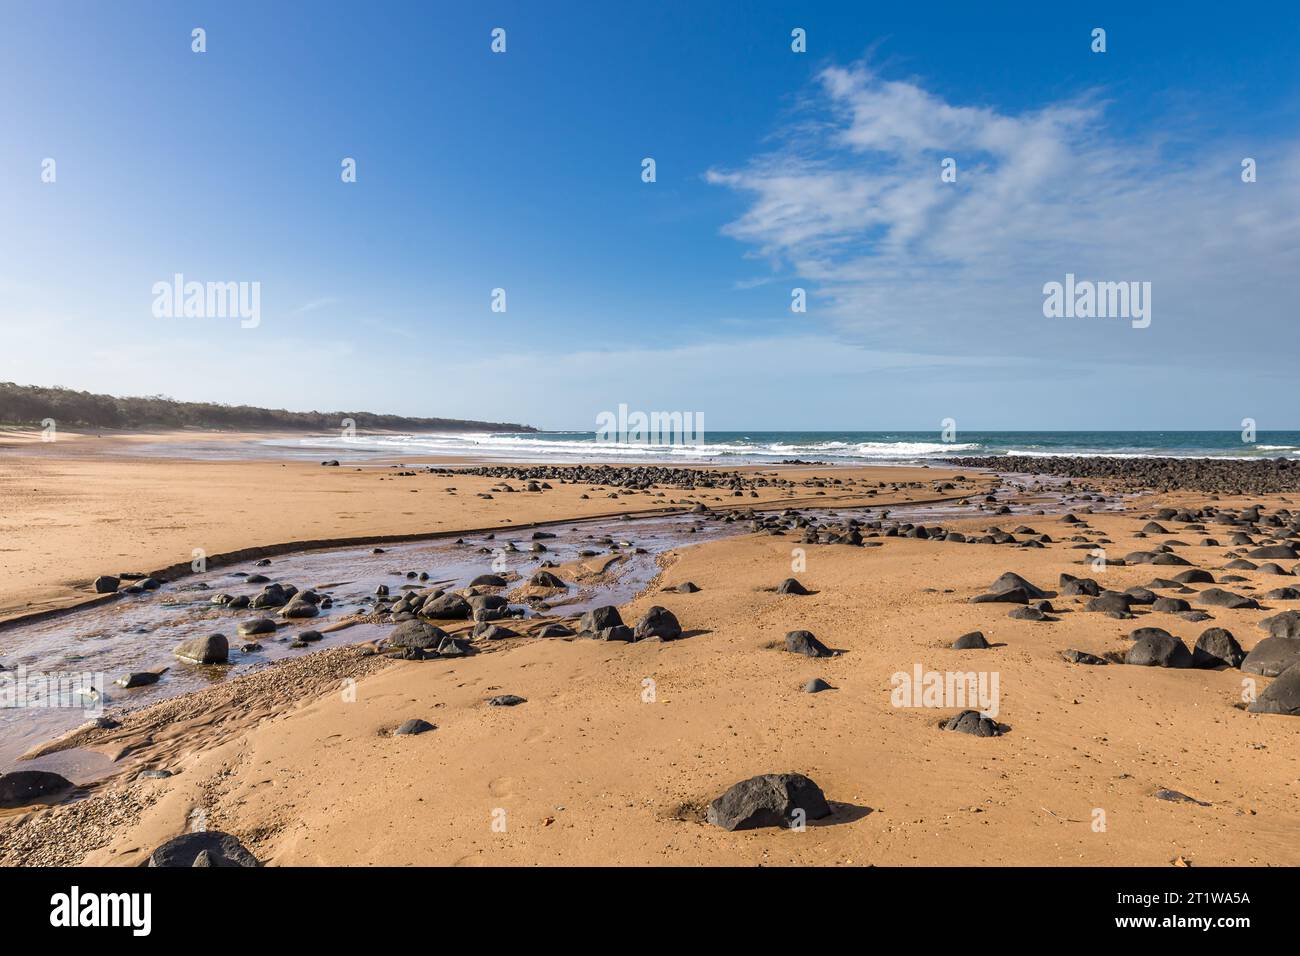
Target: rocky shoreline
(497, 702)
(1254, 476)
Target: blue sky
(774, 170)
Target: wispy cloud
(314, 305)
(852, 201)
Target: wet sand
(84, 506)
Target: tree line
(32, 404)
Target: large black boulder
(1011, 580)
(1010, 596)
(413, 727)
(974, 723)
(1110, 602)
(1217, 597)
(212, 649)
(803, 642)
(1286, 624)
(545, 579)
(599, 618)
(1272, 656)
(769, 800)
(1215, 647)
(658, 622)
(1275, 551)
(1158, 650)
(206, 848)
(446, 608)
(23, 787)
(416, 634)
(1072, 586)
(1280, 697)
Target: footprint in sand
(502, 787)
(537, 734)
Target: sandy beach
(724, 437)
(618, 748)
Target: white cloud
(313, 305)
(852, 202)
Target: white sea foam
(739, 448)
(583, 446)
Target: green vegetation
(32, 404)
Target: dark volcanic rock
(1216, 647)
(1028, 614)
(259, 625)
(299, 609)
(974, 723)
(205, 848)
(506, 700)
(555, 630)
(1286, 624)
(1010, 596)
(791, 586)
(657, 622)
(23, 787)
(416, 634)
(1246, 476)
(1142, 632)
(1140, 595)
(106, 584)
(1272, 656)
(1010, 581)
(273, 595)
(803, 642)
(1175, 796)
(139, 679)
(816, 686)
(1217, 597)
(1275, 551)
(455, 647)
(599, 618)
(1110, 602)
(1082, 657)
(488, 581)
(774, 799)
(492, 632)
(1159, 650)
(1280, 697)
(545, 579)
(412, 727)
(446, 608)
(212, 649)
(972, 641)
(1072, 586)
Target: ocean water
(848, 447)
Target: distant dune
(32, 404)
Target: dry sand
(295, 760)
